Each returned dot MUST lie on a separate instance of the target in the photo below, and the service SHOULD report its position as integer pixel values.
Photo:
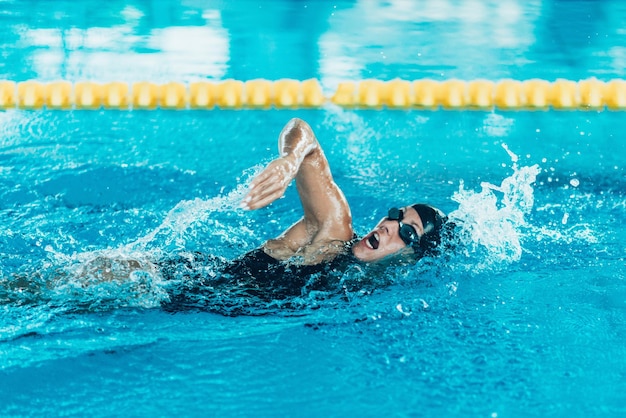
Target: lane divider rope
(589, 94)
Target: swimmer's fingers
(260, 203)
(266, 177)
(273, 175)
(268, 185)
(262, 196)
(281, 169)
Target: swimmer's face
(384, 240)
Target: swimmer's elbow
(297, 137)
(300, 125)
(297, 123)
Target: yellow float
(453, 94)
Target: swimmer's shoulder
(317, 252)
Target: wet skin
(384, 240)
(321, 234)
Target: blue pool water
(526, 317)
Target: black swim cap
(432, 220)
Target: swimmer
(306, 257)
(310, 255)
(326, 227)
(322, 241)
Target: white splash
(492, 219)
(179, 224)
(127, 275)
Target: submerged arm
(327, 217)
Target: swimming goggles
(408, 234)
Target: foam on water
(119, 277)
(492, 220)
(179, 224)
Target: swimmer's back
(255, 274)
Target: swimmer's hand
(271, 183)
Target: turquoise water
(525, 318)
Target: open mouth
(373, 241)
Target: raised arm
(327, 222)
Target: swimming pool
(526, 318)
